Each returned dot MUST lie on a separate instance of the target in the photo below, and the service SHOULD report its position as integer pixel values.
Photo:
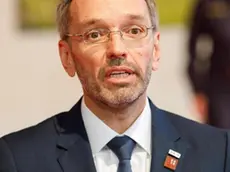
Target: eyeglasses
(130, 33)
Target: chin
(120, 98)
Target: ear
(66, 58)
(156, 51)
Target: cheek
(90, 61)
(143, 58)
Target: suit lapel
(166, 137)
(77, 157)
(74, 151)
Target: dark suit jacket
(60, 144)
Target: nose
(115, 46)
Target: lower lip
(121, 79)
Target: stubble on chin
(115, 96)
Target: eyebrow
(127, 17)
(135, 17)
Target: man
(113, 45)
(209, 60)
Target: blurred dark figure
(209, 62)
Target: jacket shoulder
(193, 130)
(39, 134)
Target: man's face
(115, 72)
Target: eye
(95, 35)
(134, 30)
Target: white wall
(34, 86)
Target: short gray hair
(63, 16)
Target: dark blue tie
(123, 148)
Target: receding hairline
(64, 15)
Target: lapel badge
(172, 159)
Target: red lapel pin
(172, 160)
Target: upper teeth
(118, 72)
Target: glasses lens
(96, 36)
(134, 32)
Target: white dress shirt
(100, 134)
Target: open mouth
(119, 74)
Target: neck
(118, 119)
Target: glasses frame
(82, 35)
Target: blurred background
(34, 85)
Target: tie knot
(122, 147)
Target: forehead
(107, 10)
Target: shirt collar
(100, 134)
(140, 131)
